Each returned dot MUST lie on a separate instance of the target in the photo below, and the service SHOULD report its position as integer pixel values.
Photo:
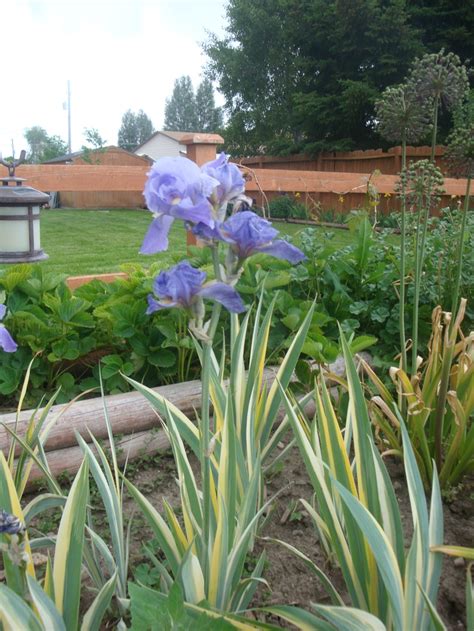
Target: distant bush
(285, 207)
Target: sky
(117, 55)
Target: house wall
(161, 146)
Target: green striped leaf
(15, 613)
(285, 372)
(94, 615)
(45, 607)
(383, 553)
(350, 619)
(301, 618)
(67, 567)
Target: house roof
(66, 157)
(175, 135)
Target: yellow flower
(387, 195)
(341, 198)
(297, 195)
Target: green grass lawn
(99, 241)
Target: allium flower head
(440, 76)
(176, 188)
(423, 183)
(183, 286)
(231, 183)
(6, 341)
(460, 152)
(9, 524)
(401, 114)
(249, 234)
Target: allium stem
(423, 215)
(435, 129)
(457, 285)
(402, 258)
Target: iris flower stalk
(177, 189)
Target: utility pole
(69, 115)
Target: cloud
(118, 55)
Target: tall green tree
(135, 129)
(180, 108)
(209, 117)
(42, 146)
(305, 74)
(447, 24)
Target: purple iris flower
(248, 234)
(231, 183)
(176, 188)
(182, 286)
(6, 340)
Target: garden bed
(289, 581)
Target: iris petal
(156, 305)
(7, 343)
(225, 294)
(156, 238)
(283, 250)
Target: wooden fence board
(98, 186)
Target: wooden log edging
(128, 448)
(128, 413)
(135, 423)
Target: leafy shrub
(285, 207)
(355, 285)
(70, 332)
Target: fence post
(201, 148)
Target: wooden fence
(387, 162)
(97, 186)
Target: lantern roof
(19, 195)
(12, 191)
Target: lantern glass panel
(15, 233)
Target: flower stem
(206, 429)
(435, 129)
(457, 285)
(402, 258)
(424, 212)
(216, 262)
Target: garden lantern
(19, 218)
